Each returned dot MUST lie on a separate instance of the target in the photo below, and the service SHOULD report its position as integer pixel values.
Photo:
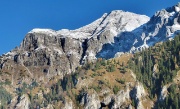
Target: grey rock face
(121, 99)
(51, 51)
(164, 92)
(45, 54)
(49, 106)
(91, 101)
(108, 99)
(68, 104)
(138, 94)
(23, 103)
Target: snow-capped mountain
(164, 25)
(48, 52)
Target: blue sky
(17, 17)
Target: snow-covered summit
(119, 21)
(115, 21)
(40, 30)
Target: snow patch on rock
(40, 47)
(177, 9)
(176, 27)
(43, 31)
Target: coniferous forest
(156, 67)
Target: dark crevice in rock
(102, 105)
(45, 71)
(29, 54)
(178, 20)
(111, 103)
(104, 19)
(1, 65)
(63, 44)
(69, 62)
(35, 44)
(16, 58)
(63, 48)
(100, 24)
(34, 41)
(84, 47)
(49, 61)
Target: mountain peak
(175, 8)
(116, 20)
(43, 31)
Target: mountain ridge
(109, 36)
(92, 27)
(68, 68)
